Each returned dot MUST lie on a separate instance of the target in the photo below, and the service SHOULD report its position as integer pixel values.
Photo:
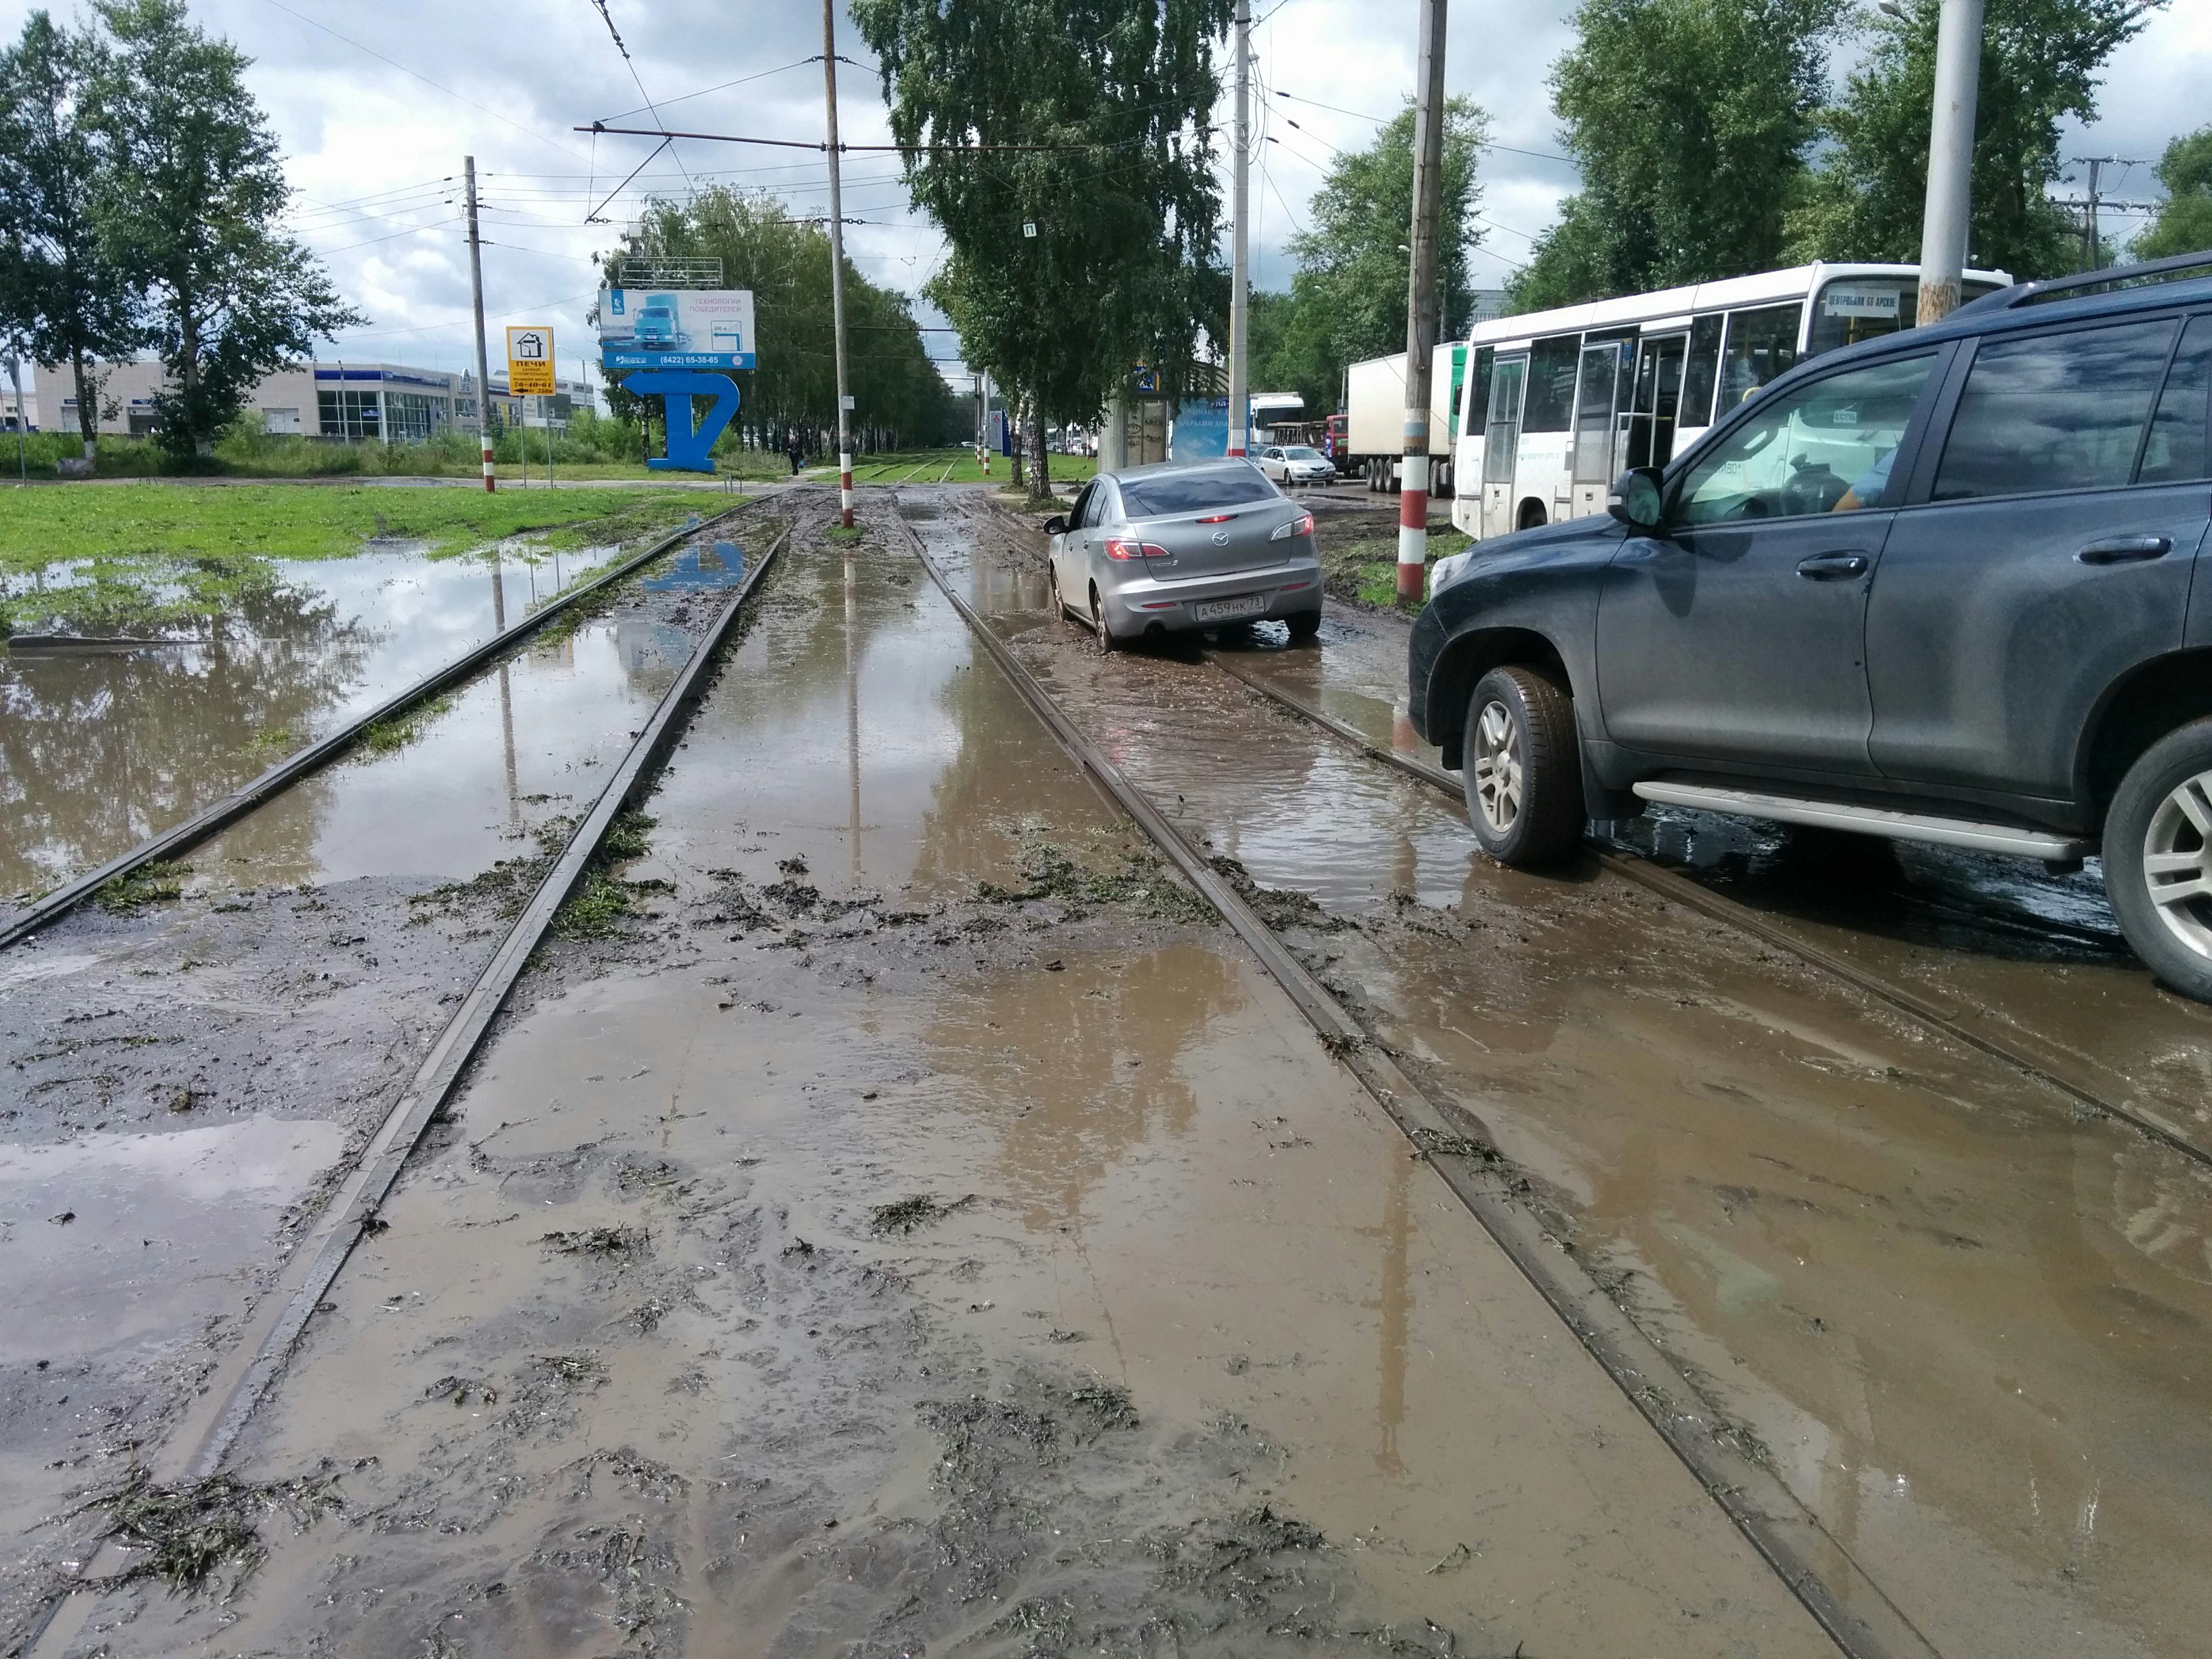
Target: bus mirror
(1635, 499)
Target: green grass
(922, 467)
(390, 737)
(128, 894)
(1366, 568)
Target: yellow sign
(530, 362)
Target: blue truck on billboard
(677, 328)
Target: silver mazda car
(1181, 547)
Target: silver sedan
(1296, 463)
(1181, 547)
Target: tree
(1068, 267)
(1353, 263)
(1290, 348)
(1690, 119)
(2040, 63)
(62, 297)
(2183, 225)
(190, 205)
(896, 390)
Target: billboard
(675, 328)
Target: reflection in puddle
(100, 751)
(701, 569)
(160, 1231)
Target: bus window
(1701, 374)
(1761, 345)
(1458, 381)
(1478, 391)
(1501, 441)
(1854, 308)
(1552, 384)
(1594, 412)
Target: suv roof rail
(2176, 268)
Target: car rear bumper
(1142, 604)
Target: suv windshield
(1168, 493)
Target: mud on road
(929, 1228)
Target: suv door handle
(2125, 549)
(1831, 567)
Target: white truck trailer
(1375, 418)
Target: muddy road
(929, 1229)
(909, 1220)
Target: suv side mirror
(1635, 500)
(1055, 525)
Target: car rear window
(1190, 492)
(2054, 411)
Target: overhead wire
(675, 154)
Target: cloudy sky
(376, 105)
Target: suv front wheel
(2158, 858)
(1521, 771)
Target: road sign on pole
(530, 362)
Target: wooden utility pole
(837, 268)
(1421, 303)
(483, 368)
(1240, 245)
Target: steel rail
(256, 1363)
(1814, 1565)
(210, 820)
(1668, 883)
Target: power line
(675, 154)
(1381, 121)
(685, 97)
(801, 144)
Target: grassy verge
(1364, 569)
(957, 467)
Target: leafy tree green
(2040, 64)
(1119, 270)
(1690, 119)
(190, 205)
(2183, 225)
(1352, 269)
(1290, 348)
(898, 395)
(63, 299)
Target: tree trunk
(87, 404)
(1040, 464)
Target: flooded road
(935, 1230)
(99, 749)
(1966, 1321)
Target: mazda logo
(1221, 538)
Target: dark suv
(1939, 586)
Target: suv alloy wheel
(1522, 770)
(2158, 857)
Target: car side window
(1077, 515)
(1094, 510)
(2180, 448)
(2054, 411)
(1825, 446)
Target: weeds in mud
(908, 1215)
(390, 737)
(623, 1242)
(1142, 884)
(1437, 1143)
(189, 1532)
(575, 1370)
(128, 894)
(596, 909)
(1108, 1405)
(630, 836)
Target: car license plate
(1253, 604)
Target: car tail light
(1301, 525)
(1119, 547)
(1219, 518)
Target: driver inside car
(1866, 490)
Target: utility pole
(1950, 158)
(1421, 303)
(1240, 244)
(838, 269)
(483, 369)
(15, 376)
(2094, 248)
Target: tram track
(180, 838)
(1815, 1565)
(196, 1449)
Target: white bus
(1557, 404)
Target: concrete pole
(1421, 303)
(837, 268)
(1240, 243)
(1950, 157)
(483, 370)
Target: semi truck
(1375, 418)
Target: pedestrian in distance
(793, 448)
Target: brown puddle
(993, 1272)
(1969, 1326)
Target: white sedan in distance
(1295, 463)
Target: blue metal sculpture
(688, 449)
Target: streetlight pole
(483, 370)
(838, 269)
(1950, 158)
(1421, 303)
(1240, 245)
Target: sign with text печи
(677, 328)
(530, 362)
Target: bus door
(1597, 405)
(1648, 429)
(1501, 444)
